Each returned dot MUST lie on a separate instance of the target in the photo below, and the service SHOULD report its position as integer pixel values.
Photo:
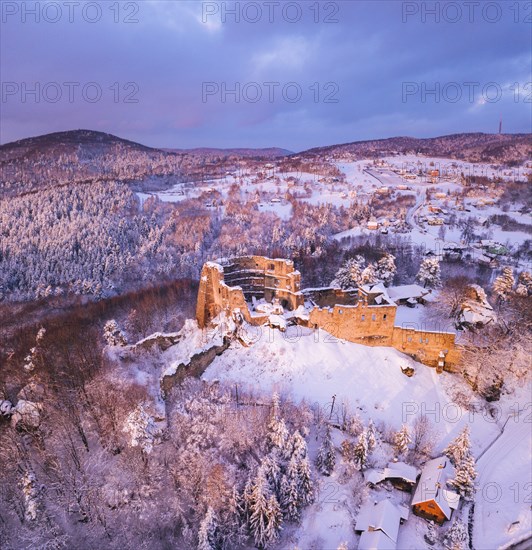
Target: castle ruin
(251, 288)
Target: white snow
(193, 340)
(313, 365)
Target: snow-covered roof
(403, 292)
(277, 321)
(454, 246)
(381, 516)
(433, 485)
(301, 313)
(375, 540)
(399, 470)
(380, 290)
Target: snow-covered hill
(315, 367)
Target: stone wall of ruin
(343, 314)
(228, 287)
(362, 324)
(425, 346)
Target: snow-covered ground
(315, 367)
(503, 513)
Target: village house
(434, 499)
(378, 525)
(453, 251)
(401, 475)
(410, 295)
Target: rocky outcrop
(196, 366)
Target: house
(401, 475)
(373, 225)
(379, 524)
(410, 295)
(434, 500)
(453, 251)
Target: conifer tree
(277, 430)
(429, 274)
(458, 449)
(456, 538)
(371, 436)
(464, 479)
(265, 516)
(290, 498)
(360, 451)
(402, 440)
(326, 456)
(275, 520)
(504, 283)
(350, 274)
(386, 269)
(306, 486)
(258, 509)
(298, 445)
(207, 535)
(272, 470)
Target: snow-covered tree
(350, 274)
(459, 448)
(265, 514)
(277, 430)
(464, 479)
(275, 520)
(360, 451)
(290, 498)
(368, 275)
(232, 524)
(402, 440)
(386, 269)
(272, 470)
(142, 429)
(112, 334)
(504, 283)
(306, 487)
(298, 445)
(456, 537)
(371, 436)
(524, 284)
(31, 361)
(31, 495)
(431, 536)
(207, 534)
(326, 456)
(429, 274)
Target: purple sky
(376, 61)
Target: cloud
(175, 48)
